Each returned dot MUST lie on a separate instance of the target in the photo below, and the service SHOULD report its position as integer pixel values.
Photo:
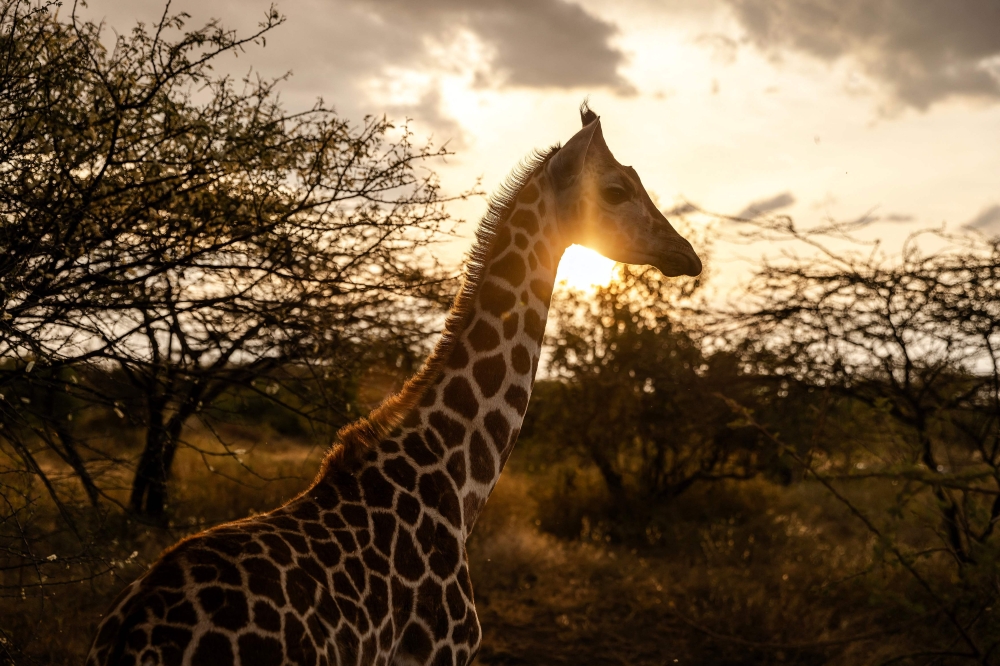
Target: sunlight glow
(582, 268)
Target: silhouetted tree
(912, 341)
(637, 392)
(183, 233)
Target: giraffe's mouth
(672, 262)
(679, 262)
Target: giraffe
(368, 565)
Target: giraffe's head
(603, 205)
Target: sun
(582, 268)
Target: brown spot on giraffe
(496, 300)
(527, 220)
(529, 194)
(498, 428)
(482, 467)
(534, 327)
(510, 324)
(401, 472)
(502, 241)
(511, 268)
(456, 467)
(542, 291)
(520, 360)
(437, 492)
(517, 398)
(484, 337)
(459, 359)
(452, 432)
(415, 447)
(458, 396)
(489, 374)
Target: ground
(741, 573)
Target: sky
(818, 109)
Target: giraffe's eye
(614, 195)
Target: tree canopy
(180, 233)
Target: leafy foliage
(636, 393)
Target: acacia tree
(914, 340)
(635, 392)
(181, 232)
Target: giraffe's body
(368, 566)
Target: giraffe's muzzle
(679, 260)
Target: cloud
(681, 209)
(446, 130)
(533, 43)
(988, 221)
(765, 206)
(374, 56)
(923, 50)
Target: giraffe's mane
(357, 437)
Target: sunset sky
(814, 108)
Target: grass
(733, 587)
(735, 573)
(55, 622)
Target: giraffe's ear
(567, 164)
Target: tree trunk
(72, 457)
(612, 479)
(69, 452)
(150, 473)
(149, 487)
(949, 508)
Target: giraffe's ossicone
(368, 565)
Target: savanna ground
(748, 572)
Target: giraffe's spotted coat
(368, 566)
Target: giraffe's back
(237, 594)
(323, 580)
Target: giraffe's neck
(487, 380)
(460, 417)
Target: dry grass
(741, 574)
(54, 624)
(748, 573)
